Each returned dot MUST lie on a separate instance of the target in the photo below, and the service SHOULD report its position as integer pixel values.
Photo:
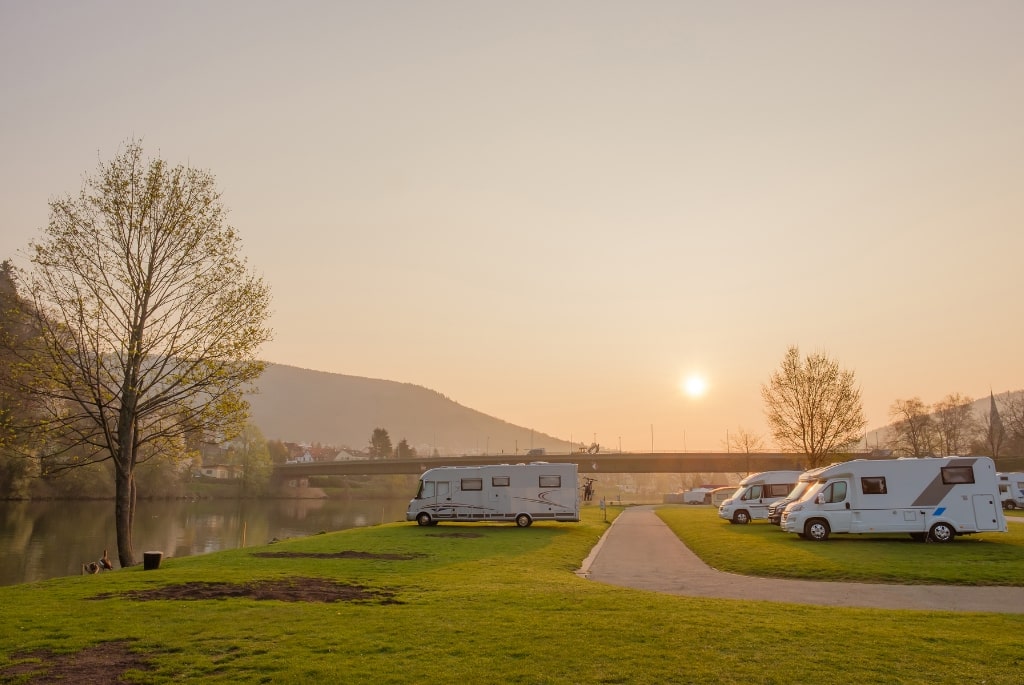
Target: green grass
(761, 549)
(502, 606)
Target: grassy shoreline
(482, 603)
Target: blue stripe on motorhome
(937, 490)
(939, 511)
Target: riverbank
(398, 603)
(41, 539)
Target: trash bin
(151, 560)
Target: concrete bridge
(611, 462)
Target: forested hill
(300, 405)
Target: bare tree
(1013, 421)
(150, 320)
(955, 423)
(913, 429)
(813, 406)
(745, 442)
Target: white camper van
(1011, 490)
(719, 495)
(930, 498)
(523, 493)
(807, 479)
(751, 499)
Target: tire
(741, 517)
(941, 532)
(817, 530)
(523, 521)
(423, 519)
(919, 537)
(1010, 505)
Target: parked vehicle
(776, 508)
(697, 496)
(755, 493)
(930, 498)
(719, 495)
(1011, 490)
(522, 493)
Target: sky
(557, 212)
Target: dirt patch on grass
(349, 554)
(287, 590)
(106, 662)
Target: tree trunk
(124, 516)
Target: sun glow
(694, 385)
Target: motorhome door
(835, 499)
(985, 514)
(440, 496)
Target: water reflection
(40, 540)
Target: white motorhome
(930, 498)
(719, 495)
(522, 493)
(751, 499)
(807, 479)
(1011, 490)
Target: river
(47, 539)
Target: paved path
(640, 551)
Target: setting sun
(694, 385)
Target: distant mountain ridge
(301, 405)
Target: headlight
(796, 507)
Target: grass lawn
(482, 604)
(761, 549)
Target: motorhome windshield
(798, 491)
(811, 489)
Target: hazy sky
(553, 212)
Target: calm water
(40, 540)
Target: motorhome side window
(777, 489)
(754, 492)
(426, 489)
(550, 481)
(953, 475)
(500, 481)
(472, 484)
(873, 485)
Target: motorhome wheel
(423, 518)
(942, 532)
(523, 521)
(1009, 504)
(741, 516)
(817, 529)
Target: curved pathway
(640, 551)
